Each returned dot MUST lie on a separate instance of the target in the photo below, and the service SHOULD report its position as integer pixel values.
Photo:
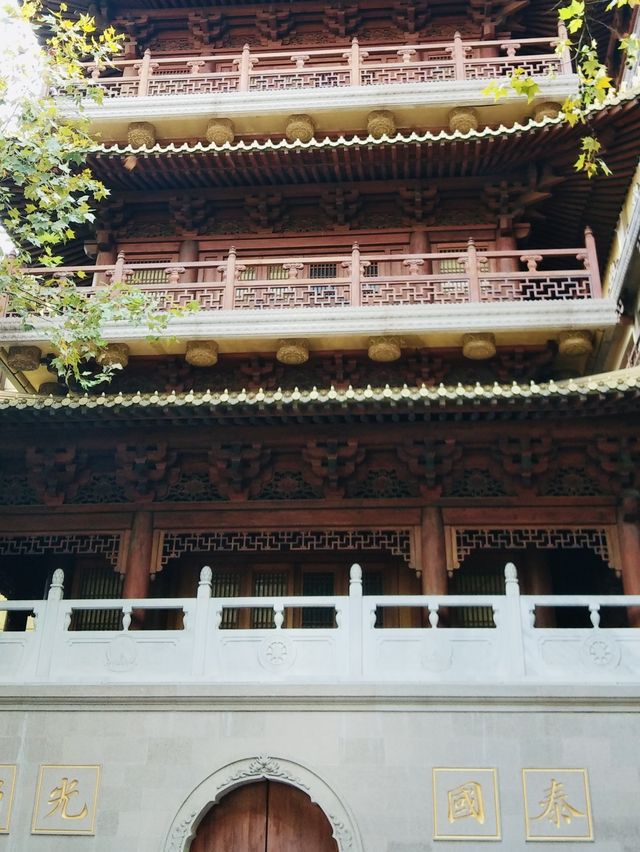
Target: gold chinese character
(59, 800)
(1, 790)
(466, 801)
(555, 806)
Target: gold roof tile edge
(620, 380)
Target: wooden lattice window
(455, 266)
(149, 276)
(98, 582)
(323, 270)
(318, 584)
(277, 273)
(489, 581)
(226, 585)
(267, 584)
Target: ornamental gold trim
(557, 808)
(479, 813)
(65, 787)
(8, 772)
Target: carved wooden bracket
(332, 463)
(146, 471)
(239, 471)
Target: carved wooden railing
(496, 639)
(356, 280)
(251, 71)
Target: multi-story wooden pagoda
(267, 562)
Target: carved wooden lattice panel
(407, 74)
(538, 287)
(601, 540)
(540, 66)
(398, 542)
(110, 545)
(320, 79)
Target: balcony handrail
(322, 52)
(267, 260)
(358, 646)
(354, 65)
(356, 279)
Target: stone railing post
(229, 280)
(201, 627)
(356, 277)
(51, 623)
(565, 53)
(511, 621)
(244, 67)
(458, 54)
(472, 271)
(356, 624)
(591, 263)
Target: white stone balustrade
(202, 645)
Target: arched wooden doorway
(265, 817)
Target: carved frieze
(431, 463)
(146, 471)
(239, 471)
(332, 463)
(56, 473)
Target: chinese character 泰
(59, 800)
(466, 801)
(555, 806)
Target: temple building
(346, 559)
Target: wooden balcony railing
(271, 71)
(355, 280)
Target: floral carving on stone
(248, 770)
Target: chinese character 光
(555, 806)
(466, 801)
(59, 799)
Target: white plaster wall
(374, 747)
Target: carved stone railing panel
(355, 646)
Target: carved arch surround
(261, 768)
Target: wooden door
(265, 817)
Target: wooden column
(629, 532)
(434, 562)
(189, 252)
(538, 582)
(507, 243)
(138, 571)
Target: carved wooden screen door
(265, 817)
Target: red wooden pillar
(629, 533)
(538, 582)
(434, 561)
(507, 243)
(138, 570)
(189, 252)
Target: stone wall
(365, 754)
